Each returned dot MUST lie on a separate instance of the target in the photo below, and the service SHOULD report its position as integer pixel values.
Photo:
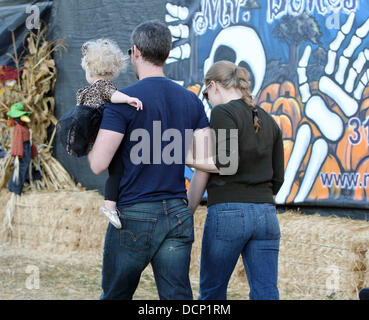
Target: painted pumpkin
(295, 188)
(287, 148)
(287, 89)
(362, 193)
(320, 191)
(351, 154)
(284, 123)
(290, 107)
(266, 106)
(187, 184)
(195, 88)
(270, 93)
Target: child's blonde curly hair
(103, 57)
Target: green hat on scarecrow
(17, 111)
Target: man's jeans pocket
(136, 233)
(185, 227)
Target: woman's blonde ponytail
(231, 76)
(244, 85)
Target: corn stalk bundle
(34, 89)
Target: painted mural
(309, 64)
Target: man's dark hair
(154, 40)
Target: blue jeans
(160, 233)
(231, 229)
(24, 163)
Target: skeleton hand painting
(330, 124)
(316, 88)
(180, 31)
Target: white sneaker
(112, 215)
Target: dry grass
(320, 257)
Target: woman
(241, 215)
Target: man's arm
(106, 144)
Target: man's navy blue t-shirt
(148, 174)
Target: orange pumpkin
(187, 184)
(284, 123)
(266, 106)
(295, 188)
(270, 93)
(290, 107)
(195, 88)
(350, 154)
(319, 191)
(287, 148)
(362, 192)
(287, 89)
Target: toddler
(102, 61)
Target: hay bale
(58, 222)
(366, 273)
(5, 223)
(320, 257)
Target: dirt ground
(24, 277)
(27, 275)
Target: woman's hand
(197, 188)
(201, 151)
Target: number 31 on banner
(355, 137)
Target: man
(157, 226)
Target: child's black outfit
(79, 127)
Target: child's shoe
(112, 215)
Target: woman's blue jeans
(160, 233)
(234, 229)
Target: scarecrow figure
(8, 76)
(22, 150)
